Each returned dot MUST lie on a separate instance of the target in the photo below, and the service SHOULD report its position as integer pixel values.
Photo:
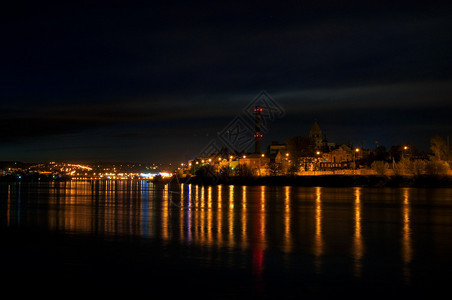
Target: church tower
(315, 134)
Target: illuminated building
(257, 163)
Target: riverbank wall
(329, 181)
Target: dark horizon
(156, 82)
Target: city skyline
(123, 82)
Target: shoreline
(422, 181)
(437, 181)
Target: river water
(134, 238)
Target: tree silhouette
(439, 148)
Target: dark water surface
(136, 239)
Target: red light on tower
(258, 109)
(257, 134)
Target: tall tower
(257, 134)
(316, 135)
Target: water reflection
(258, 241)
(406, 236)
(165, 213)
(287, 244)
(318, 239)
(231, 217)
(244, 220)
(357, 237)
(13, 204)
(8, 207)
(256, 220)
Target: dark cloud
(156, 75)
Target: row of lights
(263, 155)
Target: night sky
(127, 81)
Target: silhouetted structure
(258, 133)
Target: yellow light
(263, 155)
(202, 161)
(230, 157)
(318, 152)
(244, 156)
(357, 149)
(405, 148)
(219, 158)
(287, 154)
(210, 159)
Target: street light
(405, 149)
(262, 155)
(354, 160)
(317, 160)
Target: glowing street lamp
(354, 160)
(317, 161)
(405, 149)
